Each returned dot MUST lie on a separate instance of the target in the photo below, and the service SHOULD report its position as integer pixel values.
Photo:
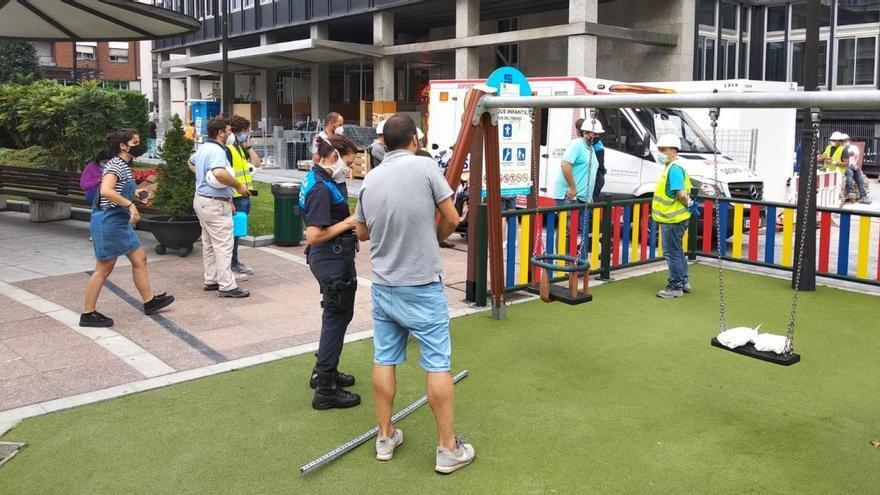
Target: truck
(631, 154)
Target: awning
(93, 20)
(278, 55)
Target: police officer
(330, 254)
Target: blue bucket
(239, 224)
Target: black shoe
(328, 395)
(211, 287)
(157, 303)
(236, 293)
(95, 320)
(342, 380)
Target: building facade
(295, 60)
(114, 64)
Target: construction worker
(671, 209)
(855, 178)
(836, 155)
(243, 158)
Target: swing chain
(722, 312)
(789, 334)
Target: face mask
(339, 131)
(243, 137)
(230, 139)
(664, 159)
(137, 150)
(340, 171)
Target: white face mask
(340, 170)
(230, 138)
(339, 131)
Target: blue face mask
(243, 137)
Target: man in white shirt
(854, 171)
(332, 125)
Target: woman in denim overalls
(330, 254)
(112, 226)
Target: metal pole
(73, 43)
(806, 204)
(843, 100)
(227, 79)
(360, 440)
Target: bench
(51, 192)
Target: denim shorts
(421, 311)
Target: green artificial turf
(621, 395)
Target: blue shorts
(421, 311)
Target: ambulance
(631, 154)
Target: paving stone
(24, 390)
(87, 378)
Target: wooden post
(493, 197)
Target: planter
(177, 235)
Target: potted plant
(178, 227)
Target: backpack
(90, 180)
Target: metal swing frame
(480, 118)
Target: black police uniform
(332, 264)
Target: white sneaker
(240, 277)
(385, 445)
(452, 460)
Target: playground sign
(514, 133)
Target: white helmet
(212, 181)
(593, 126)
(669, 141)
(838, 136)
(380, 128)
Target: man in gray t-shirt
(398, 205)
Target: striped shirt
(118, 167)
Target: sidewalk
(44, 355)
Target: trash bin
(288, 220)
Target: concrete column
(194, 87)
(582, 48)
(467, 23)
(320, 90)
(269, 95)
(383, 68)
(164, 95)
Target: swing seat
(575, 267)
(750, 351)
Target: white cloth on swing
(736, 337)
(768, 342)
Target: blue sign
(507, 130)
(510, 75)
(507, 155)
(520, 154)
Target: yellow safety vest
(241, 167)
(836, 156)
(665, 209)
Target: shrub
(33, 157)
(177, 184)
(134, 112)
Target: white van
(629, 140)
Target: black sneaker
(236, 293)
(211, 287)
(95, 320)
(157, 302)
(342, 380)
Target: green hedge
(33, 157)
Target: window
(799, 14)
(118, 52)
(776, 18)
(248, 3)
(858, 12)
(727, 60)
(797, 62)
(774, 69)
(507, 54)
(619, 135)
(209, 8)
(706, 12)
(728, 16)
(86, 50)
(234, 5)
(705, 58)
(856, 61)
(743, 72)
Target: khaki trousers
(215, 216)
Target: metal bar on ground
(352, 444)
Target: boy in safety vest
(243, 159)
(671, 208)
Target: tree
(177, 184)
(18, 62)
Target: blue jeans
(853, 175)
(673, 253)
(241, 204)
(583, 227)
(421, 311)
